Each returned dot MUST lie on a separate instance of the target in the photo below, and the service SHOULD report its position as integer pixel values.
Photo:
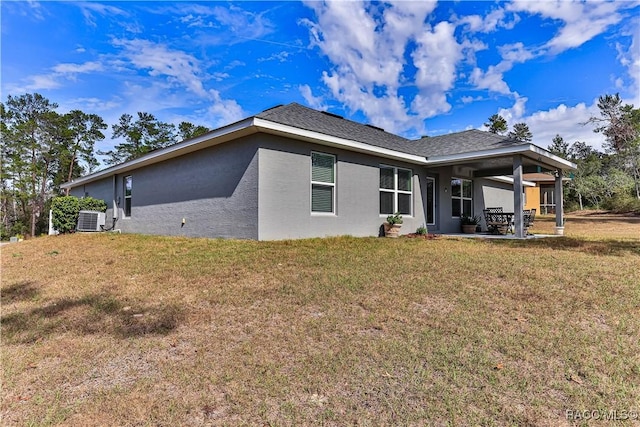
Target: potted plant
(393, 224)
(469, 224)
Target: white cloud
(223, 111)
(315, 102)
(280, 57)
(91, 104)
(515, 113)
(515, 53)
(60, 73)
(582, 20)
(492, 80)
(369, 60)
(38, 82)
(563, 120)
(69, 68)
(89, 9)
(494, 20)
(179, 70)
(630, 59)
(179, 67)
(568, 122)
(435, 57)
(232, 23)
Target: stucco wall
(285, 193)
(102, 189)
(489, 194)
(215, 190)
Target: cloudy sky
(413, 68)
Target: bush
(65, 213)
(66, 208)
(622, 203)
(91, 204)
(422, 230)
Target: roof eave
(529, 150)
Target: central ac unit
(90, 221)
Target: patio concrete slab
(499, 236)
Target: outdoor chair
(528, 217)
(493, 218)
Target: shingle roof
(464, 142)
(302, 117)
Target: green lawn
(106, 329)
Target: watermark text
(602, 414)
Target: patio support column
(518, 202)
(559, 199)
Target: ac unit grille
(90, 220)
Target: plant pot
(469, 228)
(392, 230)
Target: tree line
(42, 149)
(608, 179)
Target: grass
(104, 329)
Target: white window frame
(326, 184)
(461, 198)
(395, 190)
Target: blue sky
(412, 68)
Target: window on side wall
(323, 183)
(396, 193)
(127, 195)
(461, 197)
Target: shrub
(622, 203)
(394, 219)
(422, 230)
(66, 208)
(470, 220)
(91, 204)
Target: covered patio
(509, 162)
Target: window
(395, 190)
(127, 195)
(431, 205)
(547, 199)
(323, 182)
(461, 197)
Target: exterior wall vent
(90, 221)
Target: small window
(127, 195)
(323, 182)
(461, 197)
(431, 204)
(395, 190)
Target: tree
(31, 138)
(141, 137)
(620, 124)
(82, 132)
(497, 124)
(187, 130)
(587, 181)
(521, 132)
(559, 147)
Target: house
(294, 172)
(541, 196)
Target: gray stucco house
(294, 172)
